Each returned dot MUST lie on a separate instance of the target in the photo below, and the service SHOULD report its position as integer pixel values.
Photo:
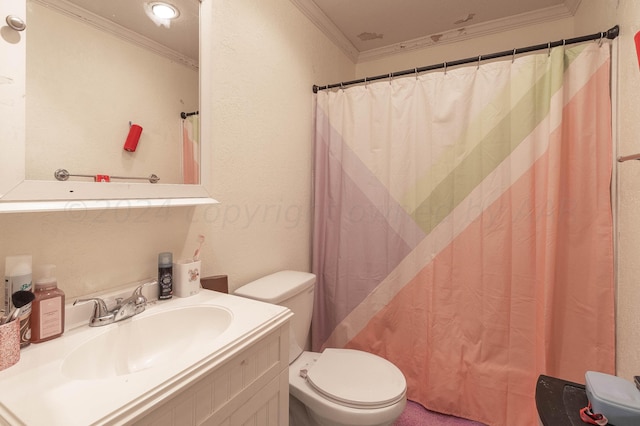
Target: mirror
(106, 86)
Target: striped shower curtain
(463, 228)
(191, 149)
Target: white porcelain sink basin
(147, 341)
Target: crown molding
(324, 24)
(313, 12)
(96, 21)
(572, 6)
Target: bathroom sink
(118, 373)
(146, 341)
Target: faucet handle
(138, 298)
(99, 309)
(138, 291)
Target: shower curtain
(191, 150)
(463, 228)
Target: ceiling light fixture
(164, 10)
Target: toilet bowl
(351, 388)
(336, 387)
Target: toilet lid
(357, 379)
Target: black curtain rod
(187, 114)
(610, 34)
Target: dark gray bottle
(165, 275)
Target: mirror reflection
(106, 86)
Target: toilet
(337, 387)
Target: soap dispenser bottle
(47, 309)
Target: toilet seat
(356, 379)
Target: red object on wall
(102, 178)
(132, 139)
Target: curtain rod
(610, 34)
(184, 115)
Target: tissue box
(614, 397)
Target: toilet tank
(292, 289)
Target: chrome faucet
(124, 308)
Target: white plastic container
(186, 277)
(18, 276)
(614, 397)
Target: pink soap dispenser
(47, 309)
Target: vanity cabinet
(250, 388)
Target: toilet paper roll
(132, 139)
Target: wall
(267, 59)
(268, 56)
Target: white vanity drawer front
(243, 390)
(268, 407)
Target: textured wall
(267, 57)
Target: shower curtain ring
(513, 56)
(549, 47)
(445, 68)
(341, 86)
(365, 83)
(601, 39)
(479, 59)
(416, 68)
(390, 77)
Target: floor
(416, 415)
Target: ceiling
(363, 29)
(366, 29)
(180, 35)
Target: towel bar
(629, 157)
(63, 174)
